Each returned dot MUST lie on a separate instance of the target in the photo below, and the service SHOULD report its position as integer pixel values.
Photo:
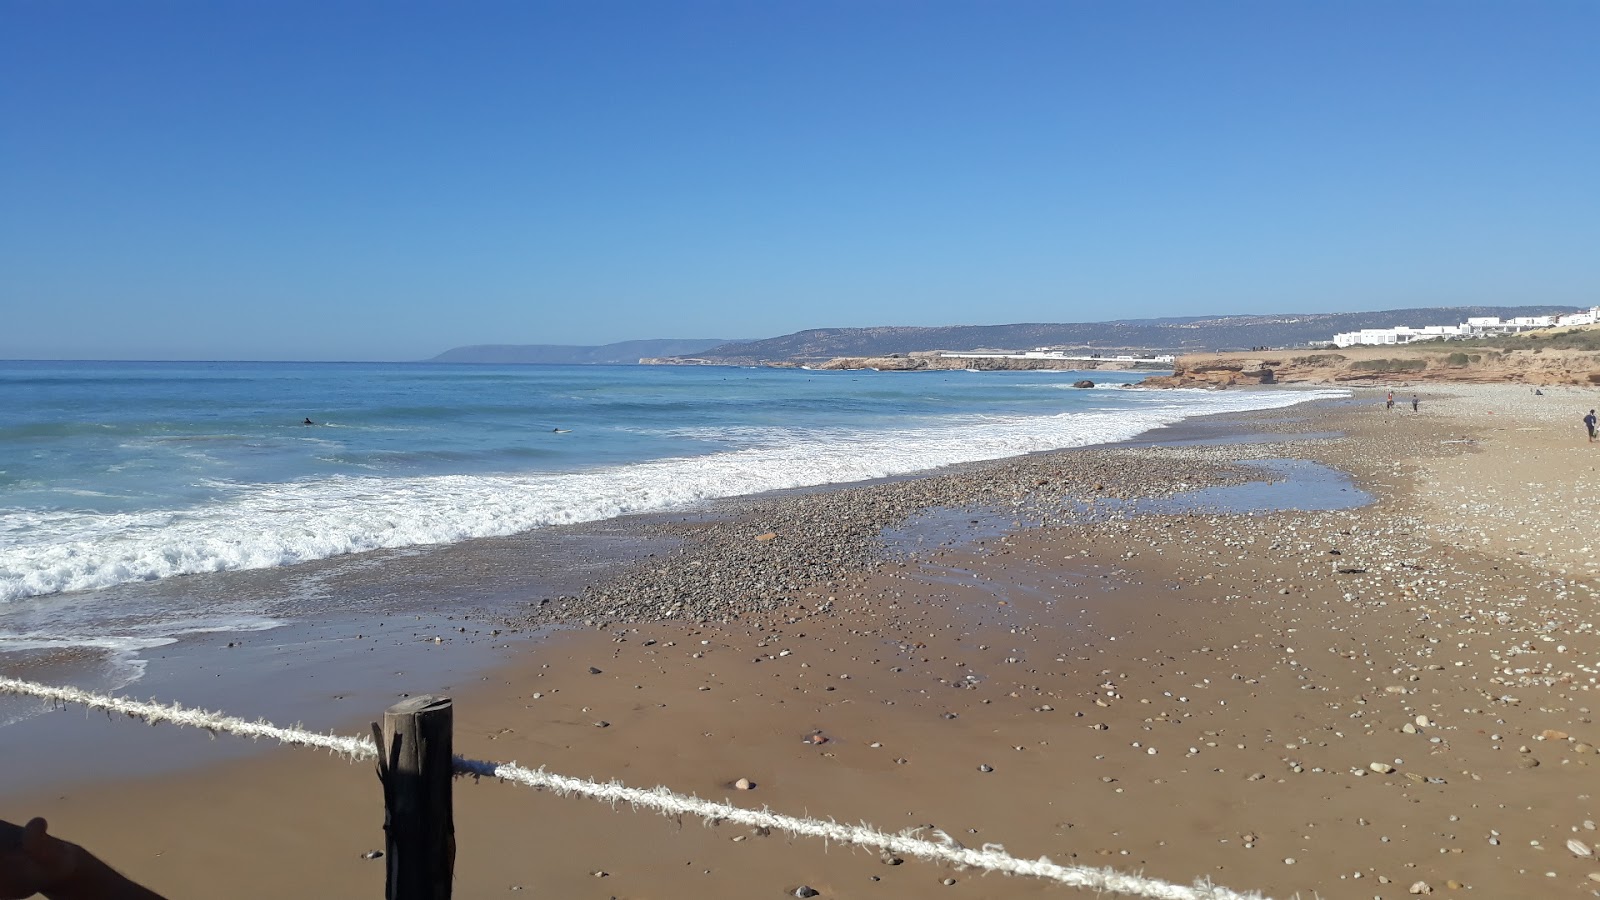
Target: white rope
(155, 713)
(992, 857)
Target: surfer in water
(560, 430)
(308, 421)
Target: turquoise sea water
(112, 473)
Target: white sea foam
(261, 526)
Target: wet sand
(1190, 693)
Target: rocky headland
(1561, 358)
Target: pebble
(1579, 849)
(744, 784)
(1421, 887)
(986, 768)
(806, 890)
(1381, 768)
(372, 854)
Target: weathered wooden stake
(414, 763)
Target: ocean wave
(266, 525)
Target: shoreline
(1133, 624)
(495, 595)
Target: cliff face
(1432, 362)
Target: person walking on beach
(1414, 402)
(1589, 423)
(1389, 403)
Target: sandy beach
(1375, 700)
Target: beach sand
(1191, 694)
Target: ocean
(121, 481)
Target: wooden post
(414, 764)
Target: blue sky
(384, 180)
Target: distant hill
(1174, 335)
(621, 353)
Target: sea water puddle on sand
(1289, 484)
(1296, 484)
(1206, 433)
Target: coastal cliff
(1562, 358)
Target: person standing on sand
(1589, 423)
(1389, 401)
(1414, 402)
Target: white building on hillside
(1590, 316)
(1476, 326)
(1496, 325)
(1400, 334)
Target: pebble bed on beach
(756, 555)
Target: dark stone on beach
(593, 671)
(1085, 383)
(372, 854)
(805, 890)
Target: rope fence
(989, 858)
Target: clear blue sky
(384, 180)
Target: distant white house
(1400, 334)
(1476, 326)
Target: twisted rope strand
(992, 857)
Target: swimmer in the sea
(308, 421)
